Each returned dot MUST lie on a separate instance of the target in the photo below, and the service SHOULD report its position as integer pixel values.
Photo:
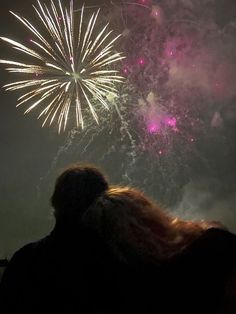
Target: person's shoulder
(215, 239)
(19, 263)
(23, 251)
(216, 247)
(222, 232)
(223, 242)
(28, 250)
(214, 244)
(219, 239)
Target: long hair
(135, 228)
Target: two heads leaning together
(128, 221)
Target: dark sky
(31, 156)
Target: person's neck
(67, 228)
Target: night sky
(174, 138)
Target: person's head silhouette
(75, 190)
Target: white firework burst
(73, 64)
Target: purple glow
(175, 75)
(171, 122)
(141, 61)
(157, 123)
(153, 127)
(178, 47)
(169, 51)
(125, 70)
(157, 14)
(144, 2)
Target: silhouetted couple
(113, 250)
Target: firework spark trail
(62, 149)
(75, 65)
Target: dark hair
(75, 190)
(135, 228)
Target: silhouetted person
(3, 265)
(169, 265)
(54, 274)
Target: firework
(73, 64)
